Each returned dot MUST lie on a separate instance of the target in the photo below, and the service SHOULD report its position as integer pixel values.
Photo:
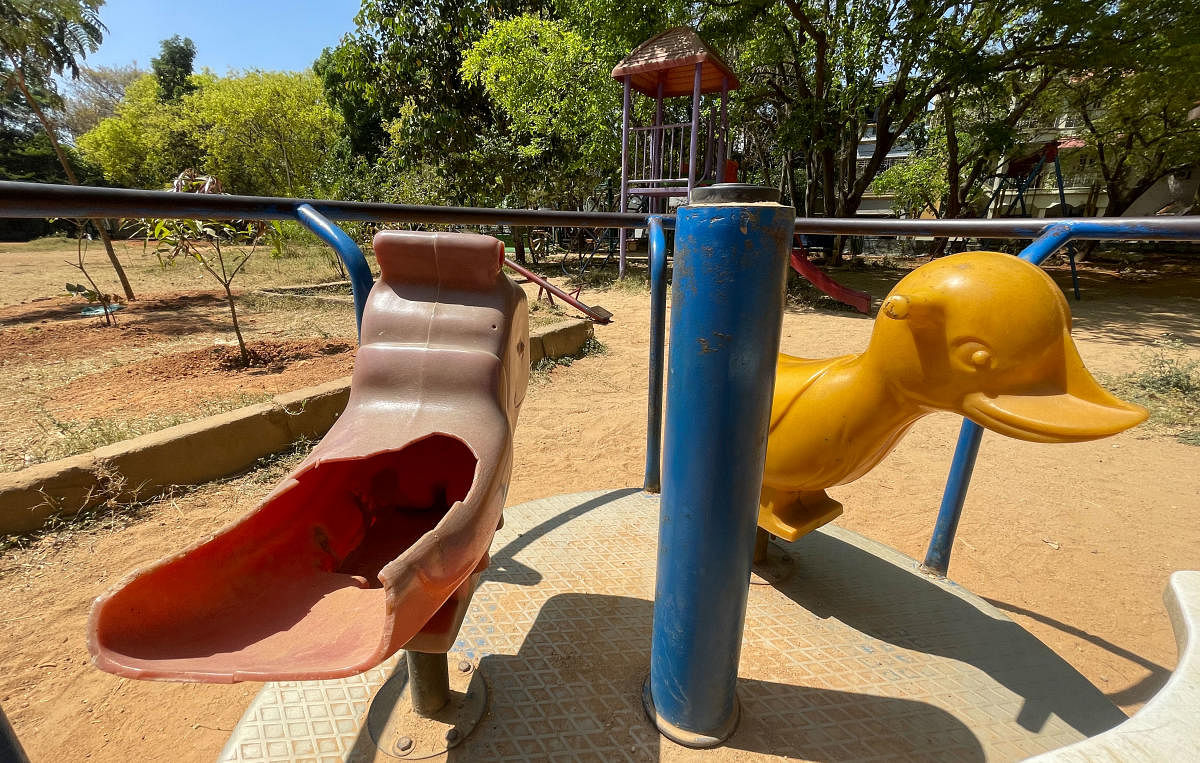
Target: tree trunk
(70, 172)
(953, 172)
(236, 328)
(519, 243)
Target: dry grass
(60, 439)
(39, 268)
(1167, 383)
(29, 551)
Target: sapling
(222, 248)
(94, 294)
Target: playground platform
(852, 653)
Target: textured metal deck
(855, 656)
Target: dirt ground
(1075, 541)
(69, 384)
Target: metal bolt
(464, 666)
(404, 744)
(452, 736)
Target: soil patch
(179, 381)
(53, 329)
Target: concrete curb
(204, 449)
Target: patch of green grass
(544, 366)
(1167, 383)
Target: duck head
(988, 335)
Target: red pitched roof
(671, 57)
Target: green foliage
(45, 38)
(816, 76)
(407, 53)
(173, 68)
(1166, 369)
(261, 133)
(146, 143)
(616, 27)
(553, 89)
(88, 295)
(1167, 383)
(919, 184)
(397, 82)
(1133, 92)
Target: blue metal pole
(937, 557)
(658, 331)
(352, 257)
(731, 248)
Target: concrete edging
(204, 449)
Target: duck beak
(1070, 407)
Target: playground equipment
(859, 300)
(903, 663)
(661, 160)
(1019, 175)
(376, 541)
(982, 334)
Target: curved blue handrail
(352, 257)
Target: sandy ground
(1075, 541)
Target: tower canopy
(670, 57)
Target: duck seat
(377, 540)
(984, 335)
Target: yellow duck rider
(982, 334)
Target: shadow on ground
(834, 579)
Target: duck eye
(973, 355)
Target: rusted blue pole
(731, 249)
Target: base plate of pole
(682, 736)
(400, 732)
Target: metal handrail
(48, 200)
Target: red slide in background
(859, 300)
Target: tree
(173, 68)
(821, 77)
(42, 39)
(94, 96)
(262, 133)
(918, 185)
(222, 248)
(1133, 93)
(396, 80)
(557, 103)
(146, 143)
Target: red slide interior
(295, 584)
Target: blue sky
(250, 34)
